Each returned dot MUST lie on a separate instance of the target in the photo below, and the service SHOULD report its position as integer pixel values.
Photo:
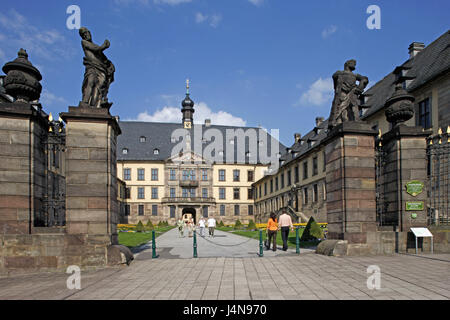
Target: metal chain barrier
(231, 245)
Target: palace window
(156, 151)
(237, 210)
(250, 210)
(236, 194)
(172, 192)
(142, 139)
(205, 212)
(305, 170)
(141, 193)
(173, 175)
(296, 175)
(154, 174)
(289, 178)
(265, 188)
(204, 175)
(221, 175)
(236, 175)
(315, 166)
(271, 185)
(154, 193)
(128, 193)
(124, 151)
(324, 162)
(282, 180)
(204, 193)
(222, 193)
(154, 210)
(141, 174)
(250, 176)
(172, 211)
(315, 193)
(250, 194)
(276, 183)
(188, 175)
(222, 209)
(127, 209)
(425, 114)
(141, 209)
(127, 174)
(305, 196)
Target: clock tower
(188, 109)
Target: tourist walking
(284, 224)
(272, 227)
(190, 226)
(211, 226)
(202, 225)
(181, 225)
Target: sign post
(422, 233)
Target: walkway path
(224, 244)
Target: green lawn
(134, 239)
(255, 234)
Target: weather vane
(187, 85)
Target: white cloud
(171, 2)
(199, 17)
(319, 93)
(256, 2)
(21, 33)
(213, 20)
(329, 31)
(202, 112)
(48, 99)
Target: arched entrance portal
(188, 213)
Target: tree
(312, 231)
(149, 226)
(251, 225)
(237, 224)
(140, 227)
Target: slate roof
(158, 136)
(426, 65)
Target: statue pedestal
(91, 194)
(350, 167)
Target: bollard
(297, 241)
(195, 244)
(154, 255)
(261, 248)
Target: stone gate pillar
(350, 178)
(91, 190)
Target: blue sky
(251, 62)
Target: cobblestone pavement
(305, 277)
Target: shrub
(237, 224)
(221, 224)
(251, 225)
(149, 226)
(312, 231)
(160, 224)
(140, 227)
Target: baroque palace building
(299, 182)
(169, 171)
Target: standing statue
(99, 73)
(346, 94)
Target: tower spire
(187, 108)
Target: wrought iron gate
(438, 170)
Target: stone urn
(399, 107)
(22, 79)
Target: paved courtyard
(238, 273)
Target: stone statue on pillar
(347, 92)
(99, 72)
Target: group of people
(283, 224)
(202, 225)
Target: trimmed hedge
(140, 227)
(312, 231)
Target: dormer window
(142, 139)
(232, 141)
(221, 153)
(261, 143)
(248, 154)
(156, 151)
(124, 151)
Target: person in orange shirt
(272, 227)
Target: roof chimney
(319, 121)
(297, 137)
(207, 123)
(415, 48)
